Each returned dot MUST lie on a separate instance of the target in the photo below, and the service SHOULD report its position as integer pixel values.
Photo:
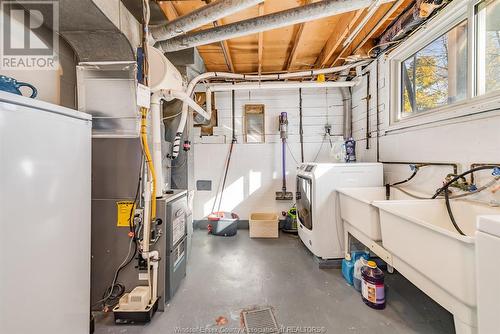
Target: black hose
(408, 179)
(388, 186)
(460, 176)
(450, 213)
(447, 196)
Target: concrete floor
(226, 275)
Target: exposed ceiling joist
(313, 11)
(225, 50)
(296, 42)
(349, 48)
(169, 10)
(336, 40)
(260, 47)
(200, 17)
(388, 16)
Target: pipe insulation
(310, 12)
(235, 76)
(199, 17)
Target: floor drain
(260, 321)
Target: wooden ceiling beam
(376, 21)
(224, 45)
(296, 42)
(169, 10)
(388, 17)
(225, 50)
(260, 46)
(336, 39)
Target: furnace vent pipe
(313, 11)
(199, 17)
(234, 76)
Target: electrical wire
(110, 294)
(320, 147)
(116, 290)
(291, 153)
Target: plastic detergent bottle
(372, 286)
(360, 263)
(350, 149)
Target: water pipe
(444, 188)
(246, 77)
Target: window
(448, 68)
(436, 75)
(254, 123)
(487, 15)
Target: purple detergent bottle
(350, 150)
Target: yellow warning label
(125, 211)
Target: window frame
(451, 16)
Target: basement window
(448, 68)
(436, 75)
(487, 14)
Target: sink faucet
(461, 183)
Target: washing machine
(320, 226)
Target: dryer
(320, 226)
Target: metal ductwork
(281, 19)
(204, 15)
(95, 35)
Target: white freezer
(45, 156)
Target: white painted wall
(54, 86)
(464, 140)
(255, 172)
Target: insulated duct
(197, 18)
(255, 25)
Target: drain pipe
(199, 17)
(310, 12)
(234, 76)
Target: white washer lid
(489, 224)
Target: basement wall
(255, 172)
(54, 86)
(465, 140)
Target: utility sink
(427, 249)
(357, 210)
